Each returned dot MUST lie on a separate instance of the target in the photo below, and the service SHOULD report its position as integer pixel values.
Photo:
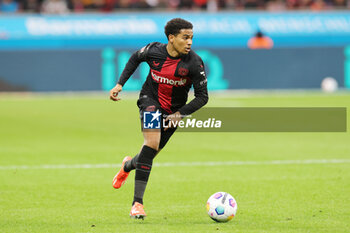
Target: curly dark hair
(174, 26)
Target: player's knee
(153, 143)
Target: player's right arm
(130, 67)
(113, 94)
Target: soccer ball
(329, 85)
(221, 207)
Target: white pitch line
(180, 164)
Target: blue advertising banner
(81, 70)
(212, 30)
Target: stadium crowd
(75, 6)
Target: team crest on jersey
(183, 72)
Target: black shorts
(147, 104)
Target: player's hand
(173, 120)
(113, 94)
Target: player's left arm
(199, 80)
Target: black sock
(143, 170)
(131, 164)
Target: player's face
(182, 42)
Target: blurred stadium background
(87, 50)
(59, 153)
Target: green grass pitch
(89, 129)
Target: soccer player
(174, 68)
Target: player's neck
(171, 51)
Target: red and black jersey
(170, 78)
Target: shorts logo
(151, 120)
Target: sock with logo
(131, 164)
(143, 170)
